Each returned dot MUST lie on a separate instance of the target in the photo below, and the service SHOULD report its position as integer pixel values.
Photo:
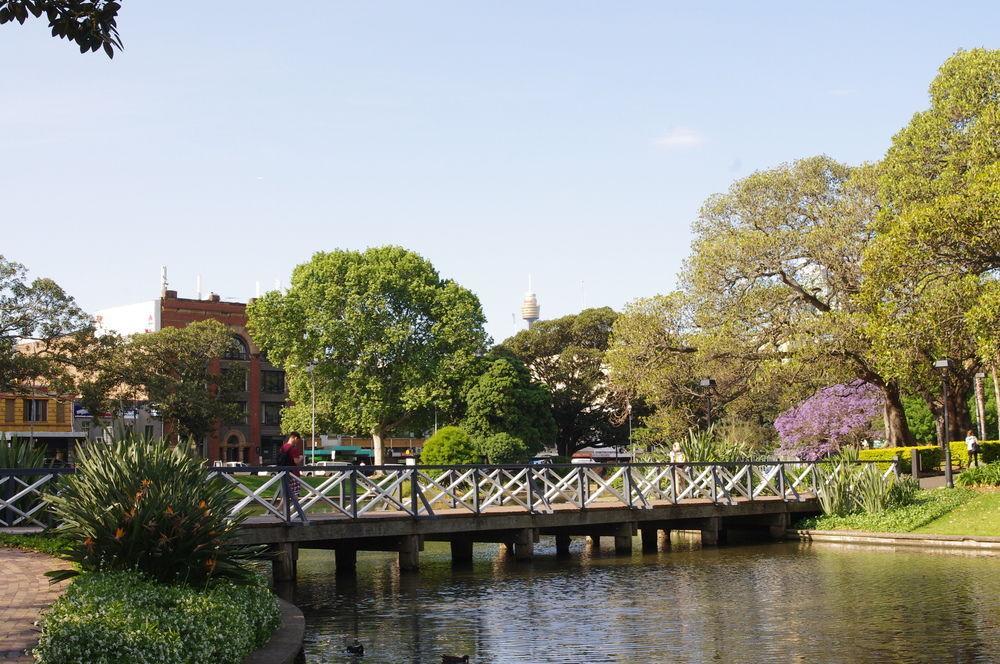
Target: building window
(240, 413)
(272, 382)
(9, 406)
(271, 413)
(36, 410)
(238, 349)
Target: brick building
(256, 435)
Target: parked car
(326, 464)
(232, 466)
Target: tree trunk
(959, 417)
(996, 393)
(897, 429)
(377, 445)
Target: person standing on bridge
(290, 456)
(677, 454)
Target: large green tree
(504, 399)
(567, 354)
(178, 372)
(775, 275)
(389, 337)
(932, 265)
(37, 319)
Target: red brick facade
(253, 441)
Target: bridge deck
(447, 523)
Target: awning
(43, 434)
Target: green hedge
(125, 618)
(989, 452)
(930, 456)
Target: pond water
(784, 602)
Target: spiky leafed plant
(142, 504)
(20, 453)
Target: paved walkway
(24, 593)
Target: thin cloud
(679, 138)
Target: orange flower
(89, 543)
(119, 533)
(170, 510)
(145, 484)
(210, 565)
(203, 505)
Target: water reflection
(751, 603)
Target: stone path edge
(958, 542)
(285, 644)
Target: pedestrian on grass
(972, 447)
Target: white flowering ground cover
(124, 618)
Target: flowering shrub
(126, 617)
(143, 505)
(818, 426)
(449, 446)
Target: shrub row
(989, 452)
(930, 456)
(117, 617)
(987, 475)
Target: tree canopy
(41, 318)
(91, 24)
(177, 371)
(567, 354)
(389, 337)
(504, 399)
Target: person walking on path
(972, 447)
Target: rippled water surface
(750, 603)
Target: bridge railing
(291, 495)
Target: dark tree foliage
(567, 355)
(91, 25)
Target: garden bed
(125, 618)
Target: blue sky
(572, 140)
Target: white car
(233, 466)
(326, 464)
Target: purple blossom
(818, 426)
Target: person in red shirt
(290, 454)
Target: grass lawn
(42, 542)
(978, 516)
(928, 507)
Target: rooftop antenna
(198, 287)
(163, 278)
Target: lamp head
(943, 364)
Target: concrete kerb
(990, 545)
(285, 644)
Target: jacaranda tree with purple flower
(832, 417)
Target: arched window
(238, 349)
(233, 441)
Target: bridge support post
(712, 533)
(346, 560)
(562, 545)
(594, 541)
(623, 539)
(663, 540)
(283, 563)
(461, 551)
(777, 531)
(409, 553)
(649, 539)
(524, 544)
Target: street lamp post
(311, 368)
(944, 365)
(707, 385)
